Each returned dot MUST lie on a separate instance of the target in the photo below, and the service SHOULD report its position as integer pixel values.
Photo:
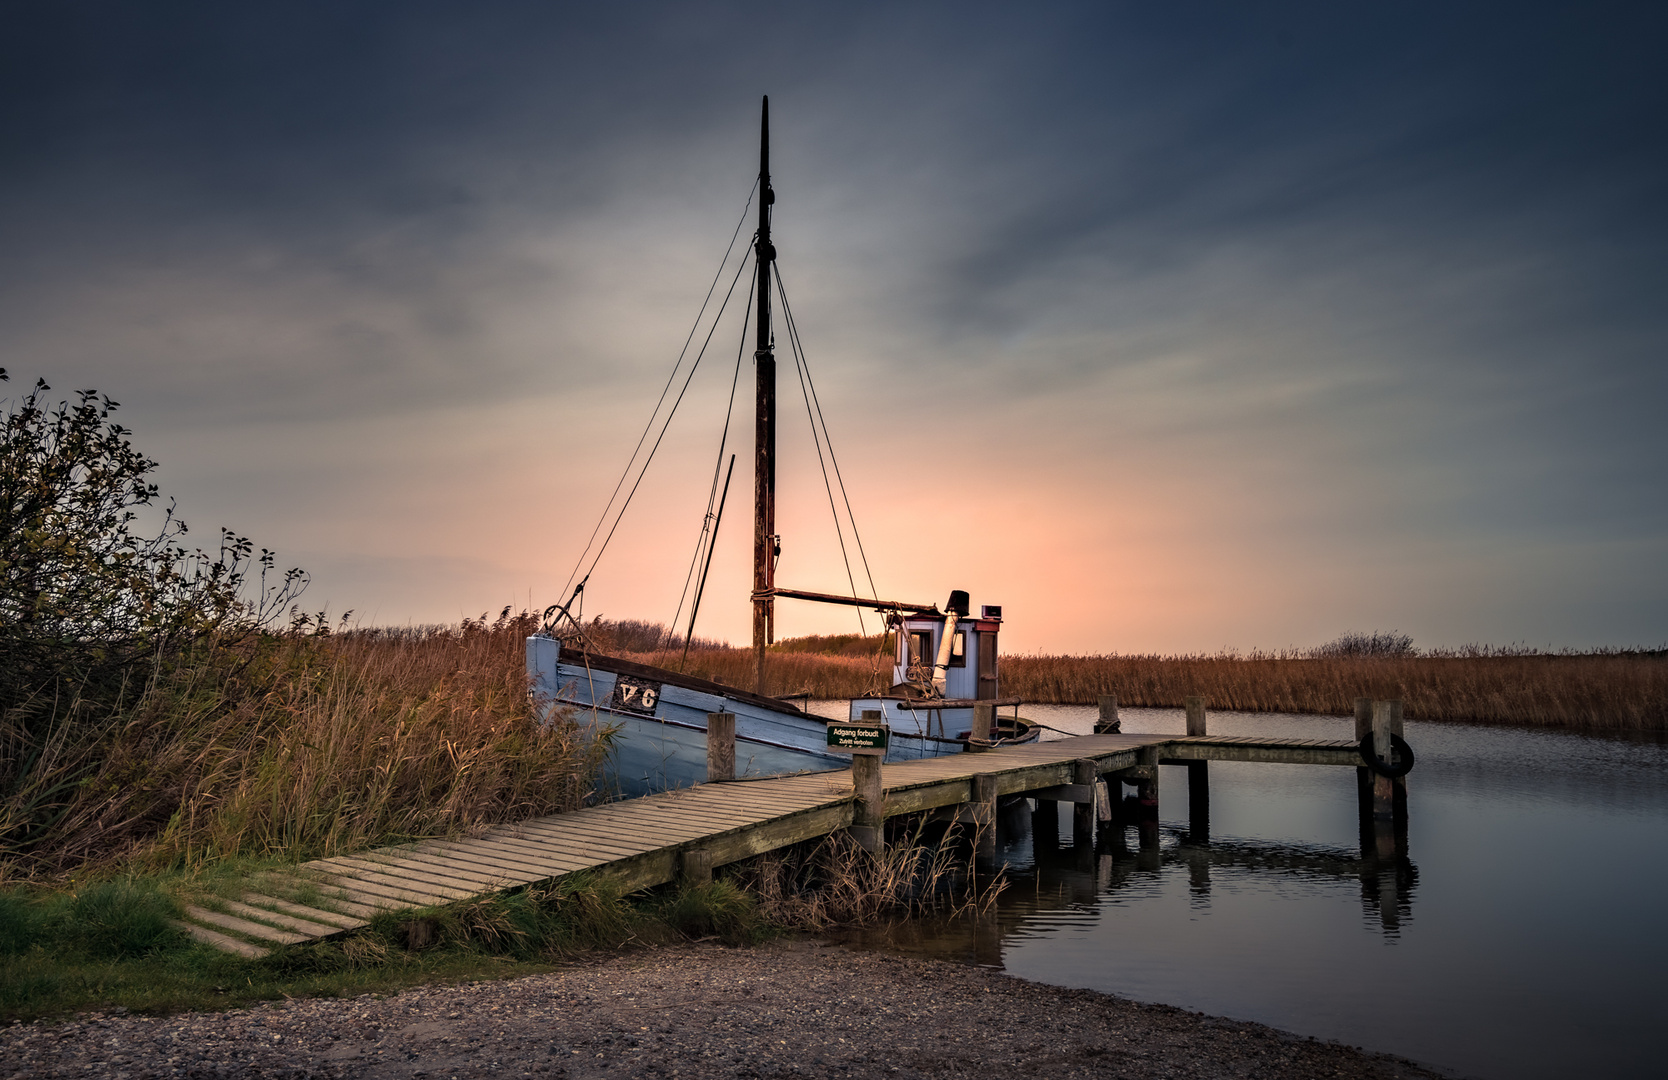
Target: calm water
(1521, 935)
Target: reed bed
(1605, 690)
(302, 745)
(786, 673)
(1614, 691)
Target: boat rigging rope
(649, 426)
(709, 522)
(813, 410)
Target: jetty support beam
(983, 806)
(721, 746)
(1146, 791)
(1083, 777)
(1198, 779)
(869, 814)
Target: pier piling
(696, 866)
(1384, 792)
(982, 789)
(1364, 775)
(984, 723)
(1108, 723)
(1198, 779)
(1146, 791)
(721, 746)
(1083, 813)
(869, 814)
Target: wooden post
(1108, 722)
(1384, 792)
(1083, 814)
(1195, 715)
(1363, 775)
(1198, 779)
(869, 815)
(1399, 784)
(983, 804)
(721, 746)
(984, 722)
(1147, 792)
(696, 865)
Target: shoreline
(798, 1007)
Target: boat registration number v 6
(635, 696)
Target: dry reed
(832, 881)
(1616, 691)
(306, 746)
(1620, 690)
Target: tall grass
(302, 745)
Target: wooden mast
(765, 544)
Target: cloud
(1198, 325)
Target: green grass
(112, 943)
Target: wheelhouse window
(920, 647)
(958, 649)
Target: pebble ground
(791, 1009)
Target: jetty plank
(223, 942)
(428, 874)
(490, 854)
(372, 874)
(306, 927)
(329, 918)
(462, 866)
(243, 926)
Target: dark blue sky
(1251, 325)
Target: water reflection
(1271, 901)
(1035, 848)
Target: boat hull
(656, 723)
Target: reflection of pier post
(1045, 826)
(1198, 779)
(1198, 875)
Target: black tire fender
(1401, 755)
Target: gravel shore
(789, 1009)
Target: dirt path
(792, 1009)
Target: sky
(1169, 328)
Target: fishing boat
(944, 669)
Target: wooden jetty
(648, 841)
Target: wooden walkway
(648, 841)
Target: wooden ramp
(645, 842)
